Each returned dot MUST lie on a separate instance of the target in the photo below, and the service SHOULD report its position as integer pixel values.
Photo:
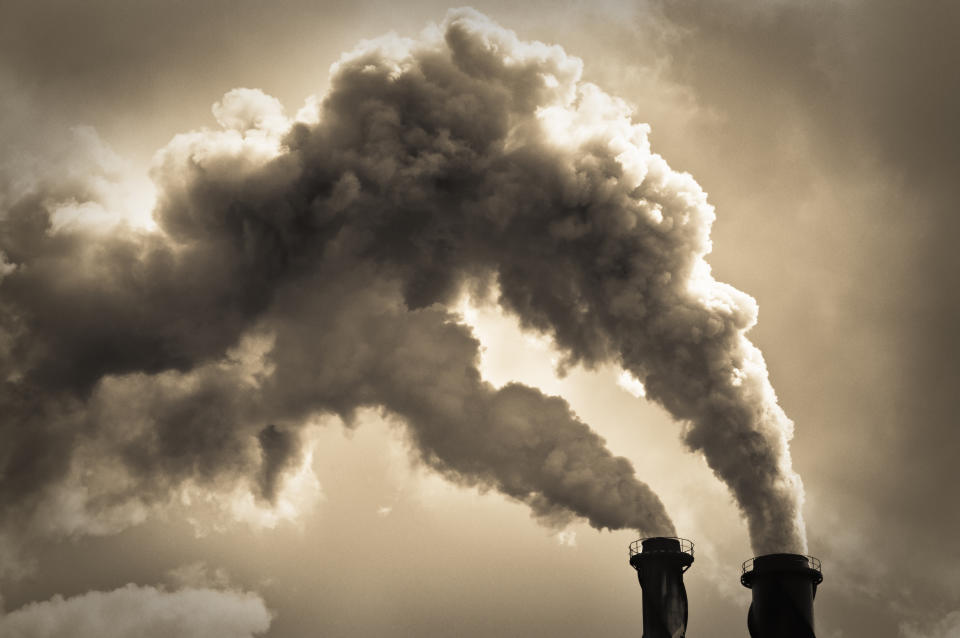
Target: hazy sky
(824, 134)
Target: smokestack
(784, 586)
(660, 563)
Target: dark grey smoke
(277, 448)
(467, 161)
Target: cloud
(566, 538)
(141, 611)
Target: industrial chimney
(783, 587)
(660, 563)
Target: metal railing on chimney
(686, 546)
(813, 563)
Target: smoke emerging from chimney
(464, 161)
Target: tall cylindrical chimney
(783, 586)
(660, 563)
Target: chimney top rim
(644, 546)
(781, 562)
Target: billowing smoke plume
(306, 266)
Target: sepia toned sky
(824, 135)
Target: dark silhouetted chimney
(783, 587)
(660, 563)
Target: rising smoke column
(492, 159)
(466, 160)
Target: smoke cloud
(305, 266)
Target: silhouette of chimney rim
(661, 544)
(779, 564)
(666, 547)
